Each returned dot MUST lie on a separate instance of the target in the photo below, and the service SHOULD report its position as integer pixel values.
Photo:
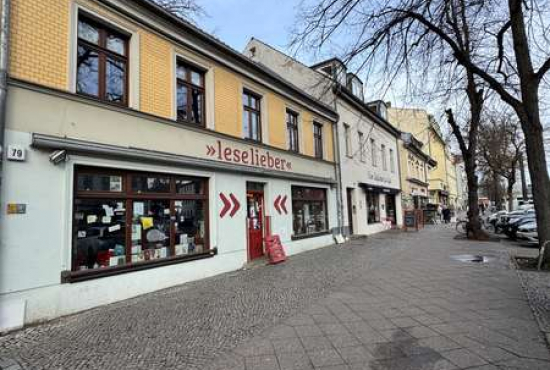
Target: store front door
(390, 208)
(255, 219)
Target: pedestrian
(447, 215)
(439, 213)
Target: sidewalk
(392, 301)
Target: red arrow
(276, 204)
(236, 205)
(283, 205)
(210, 150)
(226, 205)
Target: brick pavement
(393, 301)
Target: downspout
(337, 163)
(4, 59)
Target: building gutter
(338, 169)
(4, 64)
(83, 147)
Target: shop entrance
(255, 219)
(390, 208)
(350, 209)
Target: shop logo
(280, 204)
(252, 157)
(229, 204)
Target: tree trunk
(524, 192)
(536, 160)
(510, 194)
(473, 197)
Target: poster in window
(115, 183)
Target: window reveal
(102, 61)
(190, 94)
(309, 211)
(166, 217)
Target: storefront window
(166, 217)
(309, 211)
(373, 207)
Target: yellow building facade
(425, 129)
(149, 154)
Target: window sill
(78, 276)
(307, 236)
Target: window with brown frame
(102, 62)
(309, 211)
(129, 218)
(318, 140)
(292, 130)
(190, 94)
(252, 122)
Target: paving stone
(294, 361)
(463, 358)
(308, 331)
(343, 340)
(265, 362)
(326, 357)
(283, 345)
(357, 354)
(421, 332)
(404, 322)
(316, 343)
(282, 331)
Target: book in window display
(100, 234)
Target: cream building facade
(366, 145)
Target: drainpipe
(4, 57)
(336, 146)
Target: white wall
(36, 247)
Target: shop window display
(373, 207)
(166, 217)
(309, 211)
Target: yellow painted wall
(277, 124)
(227, 89)
(40, 47)
(39, 42)
(307, 134)
(156, 96)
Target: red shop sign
(252, 157)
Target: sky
(236, 21)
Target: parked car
(528, 231)
(511, 219)
(514, 225)
(491, 221)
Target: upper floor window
(252, 127)
(392, 161)
(318, 140)
(384, 160)
(102, 62)
(190, 94)
(361, 138)
(292, 130)
(373, 152)
(347, 137)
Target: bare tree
(186, 9)
(509, 53)
(501, 148)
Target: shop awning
(83, 147)
(379, 189)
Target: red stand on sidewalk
(274, 249)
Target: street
(394, 300)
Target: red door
(255, 214)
